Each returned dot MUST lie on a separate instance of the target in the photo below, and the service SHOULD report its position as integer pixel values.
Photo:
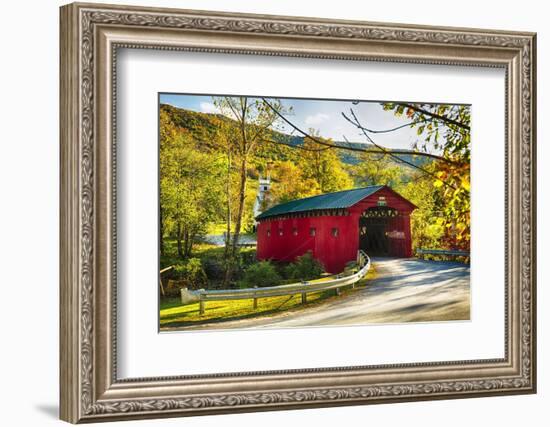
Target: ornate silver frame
(90, 36)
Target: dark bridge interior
(373, 225)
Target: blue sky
(322, 115)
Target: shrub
(247, 257)
(351, 267)
(172, 288)
(214, 268)
(304, 268)
(261, 274)
(191, 274)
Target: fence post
(161, 286)
(337, 291)
(201, 305)
(255, 306)
(304, 294)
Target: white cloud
(208, 107)
(316, 119)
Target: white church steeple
(264, 185)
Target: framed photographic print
(276, 226)
(266, 212)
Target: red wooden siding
(283, 244)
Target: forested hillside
(203, 127)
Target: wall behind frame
(29, 171)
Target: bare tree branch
(356, 123)
(396, 128)
(435, 116)
(360, 150)
(382, 154)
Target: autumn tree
(252, 120)
(378, 169)
(289, 183)
(427, 226)
(445, 129)
(322, 165)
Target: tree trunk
(185, 242)
(178, 237)
(228, 213)
(189, 240)
(161, 233)
(227, 249)
(232, 255)
(240, 209)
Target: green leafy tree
(378, 169)
(189, 187)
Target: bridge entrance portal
(376, 229)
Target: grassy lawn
(217, 228)
(173, 314)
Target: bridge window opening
(335, 232)
(268, 233)
(294, 231)
(280, 231)
(312, 231)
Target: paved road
(404, 290)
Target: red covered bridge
(334, 226)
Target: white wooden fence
(303, 288)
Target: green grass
(217, 228)
(174, 315)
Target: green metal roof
(337, 200)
